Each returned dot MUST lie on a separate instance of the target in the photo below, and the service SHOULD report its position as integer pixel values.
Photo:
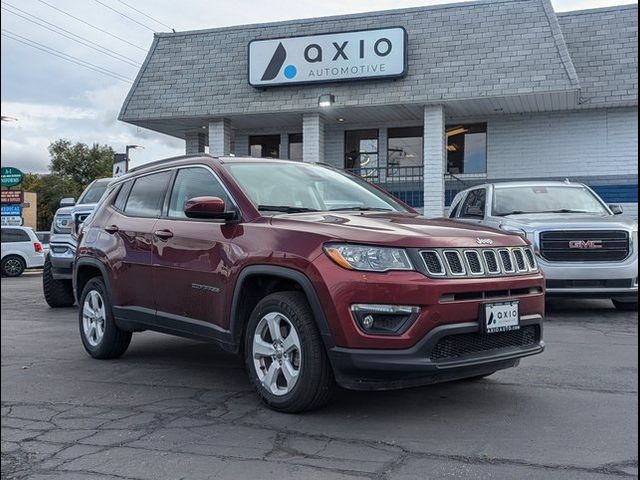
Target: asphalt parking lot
(174, 408)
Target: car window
(546, 199)
(190, 183)
(13, 235)
(93, 193)
(147, 195)
(473, 206)
(43, 236)
(121, 199)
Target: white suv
(20, 249)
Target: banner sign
(10, 176)
(11, 196)
(11, 221)
(11, 210)
(330, 57)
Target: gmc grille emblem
(585, 244)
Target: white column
(312, 137)
(434, 160)
(220, 136)
(193, 143)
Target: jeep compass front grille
(456, 262)
(453, 347)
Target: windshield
(291, 187)
(94, 192)
(541, 199)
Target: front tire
(57, 293)
(100, 335)
(284, 355)
(625, 306)
(13, 266)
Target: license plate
(501, 317)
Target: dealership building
(423, 101)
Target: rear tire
(624, 306)
(13, 266)
(57, 293)
(100, 335)
(291, 372)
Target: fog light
(384, 319)
(367, 322)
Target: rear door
(192, 258)
(131, 225)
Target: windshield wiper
(566, 210)
(285, 209)
(361, 209)
(514, 212)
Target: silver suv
(58, 264)
(584, 246)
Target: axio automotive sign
(328, 57)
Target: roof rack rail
(166, 160)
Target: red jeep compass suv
(315, 276)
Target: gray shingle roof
(603, 44)
(458, 51)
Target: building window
(264, 146)
(295, 146)
(467, 148)
(404, 151)
(361, 150)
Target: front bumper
(373, 369)
(62, 254)
(592, 279)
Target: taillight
(37, 246)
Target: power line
(64, 56)
(124, 15)
(93, 26)
(83, 41)
(144, 14)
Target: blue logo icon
(290, 71)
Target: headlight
(368, 258)
(634, 238)
(511, 229)
(62, 224)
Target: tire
(313, 384)
(13, 266)
(57, 293)
(113, 342)
(624, 306)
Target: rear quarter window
(14, 235)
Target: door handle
(163, 234)
(111, 229)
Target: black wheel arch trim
(289, 274)
(91, 262)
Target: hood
(541, 221)
(84, 208)
(397, 229)
(64, 211)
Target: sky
(54, 98)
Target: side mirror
(68, 202)
(207, 207)
(616, 209)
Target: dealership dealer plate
(501, 317)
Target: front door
(192, 258)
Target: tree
(80, 163)
(51, 189)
